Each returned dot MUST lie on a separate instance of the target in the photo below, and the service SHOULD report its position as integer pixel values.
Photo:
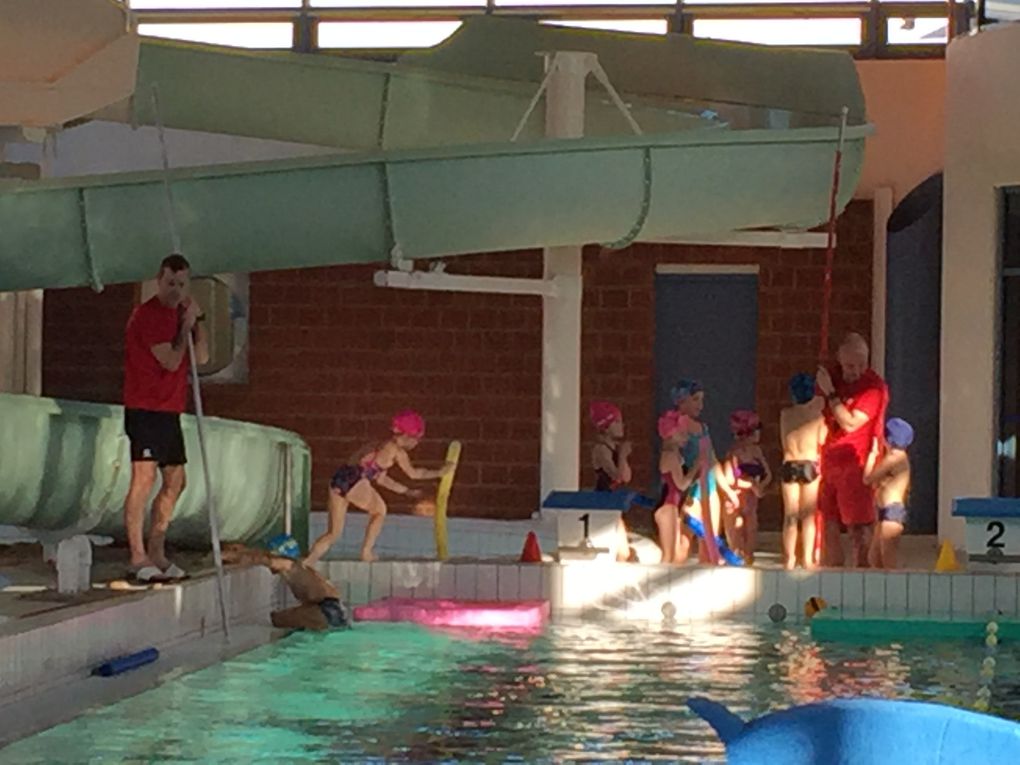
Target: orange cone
(531, 552)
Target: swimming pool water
(577, 692)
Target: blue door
(706, 328)
(912, 336)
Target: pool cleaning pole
(830, 241)
(175, 237)
(830, 254)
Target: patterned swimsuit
(346, 476)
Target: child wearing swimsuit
(890, 478)
(610, 460)
(747, 472)
(802, 432)
(673, 429)
(689, 399)
(354, 484)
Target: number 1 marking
(584, 519)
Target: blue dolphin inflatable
(864, 732)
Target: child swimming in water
(890, 477)
(747, 473)
(320, 605)
(354, 484)
(802, 433)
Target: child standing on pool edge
(354, 483)
(674, 430)
(802, 432)
(610, 460)
(609, 456)
(890, 478)
(689, 399)
(747, 472)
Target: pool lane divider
(832, 624)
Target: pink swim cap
(603, 414)
(744, 422)
(408, 423)
(673, 424)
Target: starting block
(587, 522)
(993, 532)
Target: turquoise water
(575, 693)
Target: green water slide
(65, 468)
(733, 137)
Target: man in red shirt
(856, 399)
(155, 395)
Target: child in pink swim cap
(610, 459)
(747, 473)
(610, 454)
(355, 483)
(674, 430)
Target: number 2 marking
(999, 529)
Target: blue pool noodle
(126, 663)
(698, 529)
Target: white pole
(561, 315)
(288, 488)
(214, 532)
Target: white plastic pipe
(502, 285)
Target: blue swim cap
(802, 387)
(898, 433)
(684, 389)
(284, 545)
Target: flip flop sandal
(146, 575)
(175, 573)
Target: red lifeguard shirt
(868, 394)
(147, 385)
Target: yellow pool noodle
(443, 498)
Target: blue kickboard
(986, 507)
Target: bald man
(855, 402)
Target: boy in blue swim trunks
(320, 607)
(890, 478)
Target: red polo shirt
(147, 385)
(868, 394)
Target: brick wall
(333, 356)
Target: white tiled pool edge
(634, 591)
(49, 650)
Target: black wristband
(833, 397)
